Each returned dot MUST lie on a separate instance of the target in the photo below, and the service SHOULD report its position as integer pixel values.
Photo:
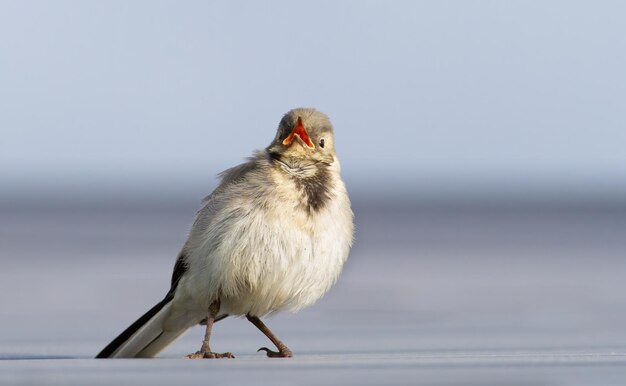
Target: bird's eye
(322, 142)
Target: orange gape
(300, 131)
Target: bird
(273, 236)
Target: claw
(276, 354)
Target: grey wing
(214, 202)
(235, 175)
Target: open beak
(299, 131)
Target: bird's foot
(283, 352)
(209, 355)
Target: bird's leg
(283, 350)
(205, 350)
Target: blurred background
(482, 144)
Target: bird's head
(304, 136)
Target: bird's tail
(146, 337)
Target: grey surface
(432, 294)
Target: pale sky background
(455, 96)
